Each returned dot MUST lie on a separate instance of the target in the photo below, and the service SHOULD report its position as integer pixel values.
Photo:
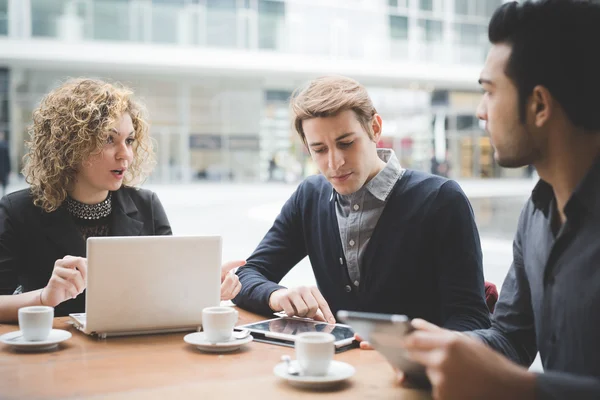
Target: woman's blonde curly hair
(71, 124)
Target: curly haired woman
(89, 147)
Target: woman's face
(104, 172)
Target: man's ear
(540, 106)
(376, 127)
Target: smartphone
(383, 332)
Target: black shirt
(550, 300)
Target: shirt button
(356, 207)
(341, 261)
(348, 289)
(356, 283)
(351, 243)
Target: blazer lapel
(61, 229)
(126, 217)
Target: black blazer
(31, 240)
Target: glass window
(426, 5)
(398, 27)
(466, 122)
(271, 7)
(164, 22)
(461, 7)
(277, 96)
(471, 34)
(487, 8)
(271, 23)
(111, 20)
(432, 30)
(221, 23)
(221, 4)
(398, 3)
(3, 17)
(171, 2)
(43, 17)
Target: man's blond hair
(328, 96)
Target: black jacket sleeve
(9, 249)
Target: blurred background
(216, 76)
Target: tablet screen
(294, 326)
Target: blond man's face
(343, 150)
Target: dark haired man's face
(513, 142)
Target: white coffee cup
(35, 322)
(218, 323)
(314, 352)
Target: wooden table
(165, 367)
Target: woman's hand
(230, 283)
(67, 281)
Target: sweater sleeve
(279, 251)
(458, 261)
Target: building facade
(216, 75)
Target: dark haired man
(542, 107)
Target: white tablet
(283, 331)
(383, 332)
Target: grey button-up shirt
(550, 300)
(358, 213)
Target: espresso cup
(314, 352)
(35, 322)
(218, 323)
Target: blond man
(380, 238)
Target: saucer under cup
(19, 343)
(199, 340)
(337, 373)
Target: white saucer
(338, 372)
(198, 339)
(16, 340)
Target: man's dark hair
(556, 44)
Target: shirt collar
(587, 192)
(542, 196)
(382, 184)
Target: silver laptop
(149, 284)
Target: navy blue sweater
(423, 260)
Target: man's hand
(67, 281)
(364, 345)
(302, 301)
(460, 367)
(230, 282)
